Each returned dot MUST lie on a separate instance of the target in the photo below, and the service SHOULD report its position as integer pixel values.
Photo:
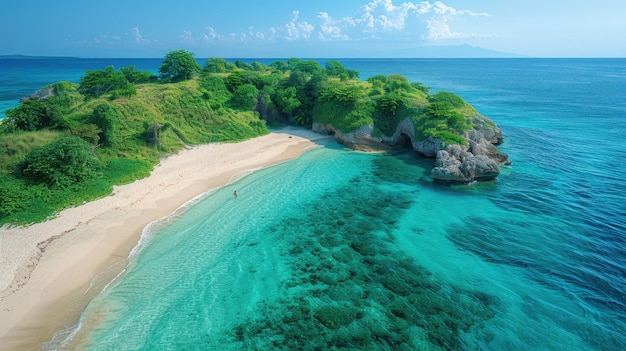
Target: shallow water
(349, 250)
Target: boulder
(481, 145)
(42, 94)
(456, 166)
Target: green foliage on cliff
(71, 142)
(383, 101)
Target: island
(86, 167)
(70, 143)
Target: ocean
(347, 250)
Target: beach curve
(48, 269)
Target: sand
(50, 270)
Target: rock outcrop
(478, 160)
(42, 94)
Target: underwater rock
(355, 289)
(334, 317)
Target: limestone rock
(42, 94)
(479, 160)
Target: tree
(396, 82)
(334, 68)
(243, 65)
(280, 65)
(97, 83)
(179, 65)
(136, 76)
(389, 104)
(258, 66)
(309, 67)
(218, 65)
(66, 160)
(287, 101)
(245, 97)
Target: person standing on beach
(235, 194)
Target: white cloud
(135, 35)
(132, 37)
(382, 16)
(208, 35)
(330, 29)
(295, 30)
(382, 19)
(187, 37)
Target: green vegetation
(97, 83)
(64, 161)
(71, 143)
(178, 66)
(383, 101)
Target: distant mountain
(32, 57)
(451, 51)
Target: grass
(186, 119)
(136, 131)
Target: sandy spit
(47, 270)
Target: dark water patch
(556, 255)
(352, 288)
(401, 168)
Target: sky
(312, 28)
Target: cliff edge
(476, 160)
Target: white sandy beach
(47, 269)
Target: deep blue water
(20, 77)
(344, 249)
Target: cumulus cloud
(430, 21)
(330, 28)
(295, 30)
(132, 37)
(207, 35)
(135, 35)
(382, 16)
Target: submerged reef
(352, 287)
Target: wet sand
(50, 270)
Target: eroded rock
(479, 160)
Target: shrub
(446, 97)
(107, 121)
(66, 160)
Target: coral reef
(352, 287)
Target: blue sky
(311, 28)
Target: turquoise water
(345, 250)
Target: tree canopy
(96, 83)
(179, 65)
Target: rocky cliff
(477, 160)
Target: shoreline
(48, 270)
